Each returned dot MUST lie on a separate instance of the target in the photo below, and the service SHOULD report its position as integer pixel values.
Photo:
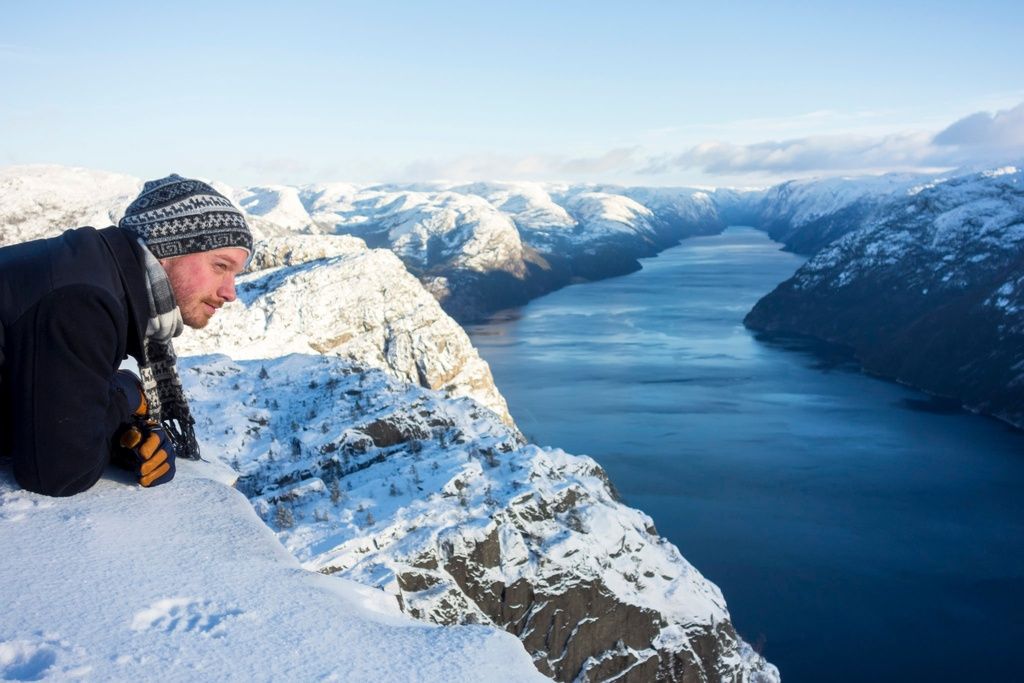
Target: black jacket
(71, 309)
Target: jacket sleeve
(63, 353)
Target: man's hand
(150, 453)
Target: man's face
(203, 282)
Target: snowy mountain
(432, 497)
(483, 246)
(37, 201)
(929, 292)
(805, 215)
(369, 435)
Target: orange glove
(149, 453)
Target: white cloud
(981, 138)
(978, 138)
(818, 153)
(1004, 128)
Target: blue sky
(654, 93)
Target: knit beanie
(175, 216)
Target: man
(73, 307)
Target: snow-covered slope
(930, 292)
(40, 201)
(185, 583)
(332, 295)
(805, 215)
(439, 503)
(426, 469)
(278, 205)
(430, 231)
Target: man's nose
(227, 290)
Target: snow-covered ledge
(185, 582)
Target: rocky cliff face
(928, 293)
(440, 504)
(326, 294)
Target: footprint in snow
(39, 658)
(17, 505)
(184, 615)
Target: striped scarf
(160, 381)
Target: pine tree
(489, 498)
(490, 457)
(283, 517)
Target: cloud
(981, 138)
(986, 130)
(978, 138)
(823, 152)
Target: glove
(130, 387)
(147, 451)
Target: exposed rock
(468, 524)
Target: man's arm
(63, 353)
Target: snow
(438, 499)
(947, 226)
(331, 295)
(66, 197)
(184, 582)
(278, 204)
(801, 201)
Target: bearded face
(203, 282)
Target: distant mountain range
(481, 247)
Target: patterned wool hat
(175, 216)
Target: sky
(644, 93)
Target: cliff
(928, 292)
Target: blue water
(859, 531)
